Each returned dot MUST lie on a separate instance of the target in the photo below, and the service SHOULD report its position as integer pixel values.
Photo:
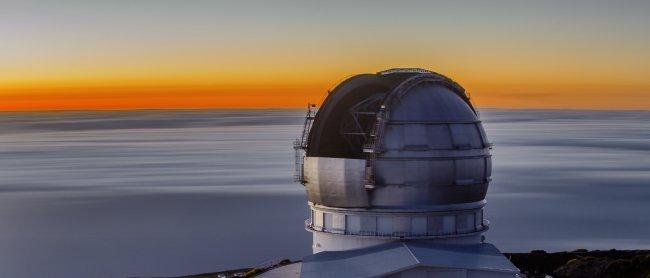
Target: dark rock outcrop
(582, 263)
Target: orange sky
(254, 95)
(160, 54)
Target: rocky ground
(582, 263)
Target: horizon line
(295, 108)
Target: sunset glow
(159, 54)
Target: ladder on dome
(370, 150)
(300, 144)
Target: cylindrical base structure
(335, 242)
(337, 229)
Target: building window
(434, 225)
(465, 223)
(327, 221)
(353, 224)
(368, 225)
(448, 225)
(401, 226)
(385, 225)
(419, 226)
(318, 221)
(338, 223)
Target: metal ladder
(370, 149)
(300, 144)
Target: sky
(62, 55)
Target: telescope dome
(401, 139)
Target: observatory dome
(396, 155)
(393, 160)
(401, 139)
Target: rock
(619, 268)
(585, 267)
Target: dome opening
(344, 120)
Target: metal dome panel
(417, 134)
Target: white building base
(334, 242)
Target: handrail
(398, 235)
(300, 144)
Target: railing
(300, 144)
(370, 149)
(399, 235)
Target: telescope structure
(396, 166)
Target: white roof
(394, 257)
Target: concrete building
(396, 166)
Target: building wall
(336, 229)
(374, 223)
(334, 242)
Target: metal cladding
(402, 139)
